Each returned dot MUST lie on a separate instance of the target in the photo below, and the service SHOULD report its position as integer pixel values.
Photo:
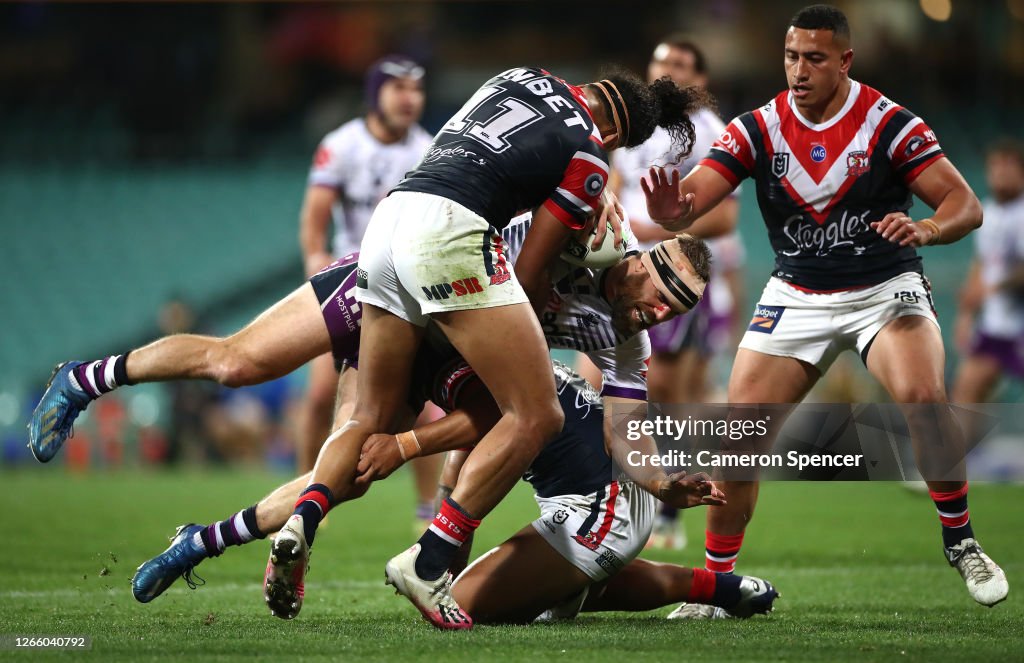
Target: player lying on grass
(580, 553)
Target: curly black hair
(660, 104)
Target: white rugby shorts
(816, 327)
(598, 533)
(426, 254)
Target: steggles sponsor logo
(809, 237)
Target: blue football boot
(52, 420)
(152, 578)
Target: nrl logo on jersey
(857, 163)
(780, 164)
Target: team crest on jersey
(818, 153)
(857, 163)
(588, 540)
(594, 184)
(766, 318)
(780, 164)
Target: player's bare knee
(920, 393)
(232, 368)
(321, 400)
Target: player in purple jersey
(835, 164)
(524, 140)
(990, 322)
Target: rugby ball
(579, 253)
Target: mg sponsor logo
(457, 288)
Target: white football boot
(986, 582)
(757, 597)
(433, 598)
(284, 580)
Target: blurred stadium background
(153, 160)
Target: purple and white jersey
(999, 247)
(362, 170)
(578, 317)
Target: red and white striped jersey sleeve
(914, 148)
(733, 154)
(577, 195)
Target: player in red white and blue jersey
(602, 312)
(353, 169)
(525, 140)
(836, 164)
(592, 524)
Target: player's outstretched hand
(900, 229)
(684, 491)
(664, 204)
(379, 457)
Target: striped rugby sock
(446, 534)
(711, 588)
(954, 515)
(313, 504)
(98, 377)
(721, 551)
(239, 529)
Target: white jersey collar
(851, 99)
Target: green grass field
(859, 567)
